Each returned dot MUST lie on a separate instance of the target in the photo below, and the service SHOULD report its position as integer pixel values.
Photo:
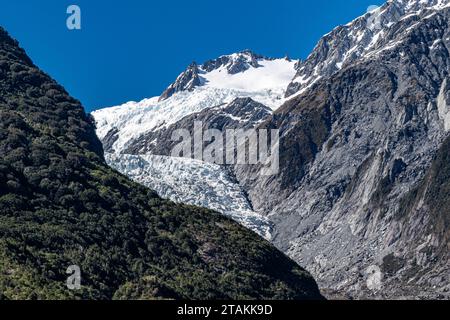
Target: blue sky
(130, 50)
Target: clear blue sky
(129, 50)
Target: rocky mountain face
(361, 197)
(235, 63)
(187, 81)
(360, 150)
(61, 205)
(357, 40)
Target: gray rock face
(188, 80)
(346, 44)
(109, 140)
(355, 145)
(236, 63)
(422, 227)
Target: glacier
(220, 82)
(192, 182)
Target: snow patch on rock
(443, 107)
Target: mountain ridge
(349, 43)
(384, 118)
(360, 133)
(231, 64)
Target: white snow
(266, 84)
(271, 75)
(435, 44)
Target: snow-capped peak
(243, 70)
(216, 82)
(216, 86)
(234, 63)
(356, 40)
(416, 5)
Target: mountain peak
(226, 66)
(358, 39)
(234, 63)
(186, 81)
